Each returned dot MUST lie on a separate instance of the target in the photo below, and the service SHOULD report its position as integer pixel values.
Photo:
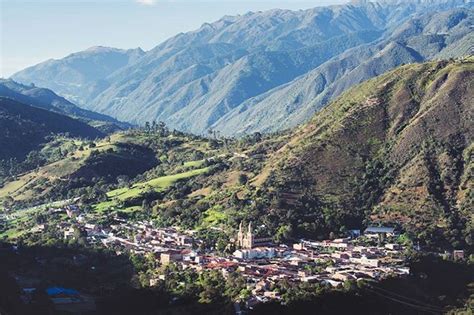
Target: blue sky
(37, 30)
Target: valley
(312, 161)
(350, 168)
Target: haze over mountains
(48, 100)
(261, 71)
(77, 75)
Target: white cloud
(146, 2)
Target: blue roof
(379, 229)
(59, 290)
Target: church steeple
(245, 239)
(240, 235)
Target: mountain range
(262, 71)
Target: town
(371, 254)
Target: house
(310, 279)
(185, 240)
(392, 246)
(458, 255)
(39, 228)
(90, 226)
(154, 282)
(69, 233)
(255, 253)
(366, 261)
(271, 294)
(379, 230)
(299, 246)
(170, 256)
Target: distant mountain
(432, 36)
(270, 70)
(79, 75)
(23, 128)
(47, 99)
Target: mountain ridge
(48, 100)
(216, 84)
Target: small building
(271, 294)
(170, 256)
(392, 246)
(379, 230)
(90, 226)
(310, 279)
(299, 246)
(366, 261)
(69, 233)
(458, 254)
(340, 255)
(185, 240)
(255, 253)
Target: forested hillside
(395, 150)
(24, 128)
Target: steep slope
(23, 128)
(78, 76)
(220, 69)
(395, 150)
(432, 36)
(47, 99)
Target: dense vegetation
(24, 128)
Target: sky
(32, 31)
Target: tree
(243, 179)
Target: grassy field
(213, 217)
(157, 184)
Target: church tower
(249, 238)
(240, 236)
(246, 239)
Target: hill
(270, 70)
(48, 100)
(23, 128)
(394, 150)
